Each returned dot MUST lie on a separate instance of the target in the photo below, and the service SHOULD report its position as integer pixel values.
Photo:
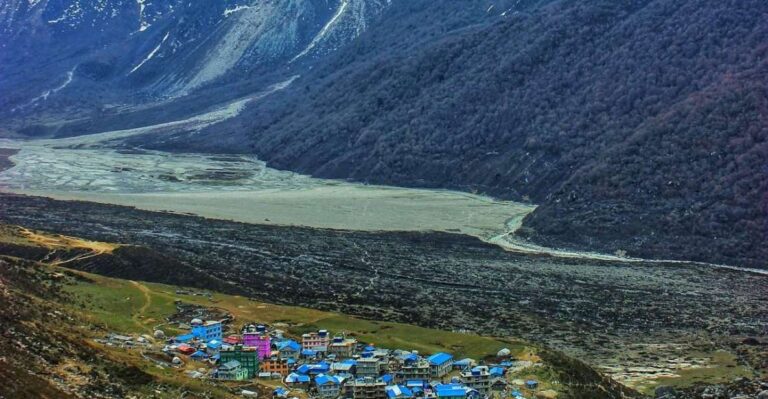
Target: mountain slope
(84, 59)
(638, 125)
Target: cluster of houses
(327, 366)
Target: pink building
(316, 341)
(261, 342)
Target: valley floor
(646, 324)
(396, 254)
(242, 188)
(80, 327)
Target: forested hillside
(637, 125)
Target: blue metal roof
(290, 344)
(184, 337)
(323, 379)
(398, 391)
(318, 368)
(451, 392)
(293, 378)
(497, 371)
(303, 369)
(412, 357)
(440, 358)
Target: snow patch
(44, 96)
(143, 24)
(234, 10)
(151, 54)
(328, 26)
(70, 14)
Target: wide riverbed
(242, 188)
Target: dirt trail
(511, 242)
(63, 242)
(147, 301)
(59, 242)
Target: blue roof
(185, 337)
(313, 368)
(463, 362)
(451, 392)
(387, 378)
(290, 345)
(308, 352)
(497, 371)
(506, 363)
(349, 361)
(440, 358)
(410, 357)
(369, 348)
(415, 383)
(322, 366)
(199, 354)
(293, 377)
(398, 391)
(323, 379)
(213, 344)
(280, 391)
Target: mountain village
(323, 365)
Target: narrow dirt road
(510, 242)
(147, 303)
